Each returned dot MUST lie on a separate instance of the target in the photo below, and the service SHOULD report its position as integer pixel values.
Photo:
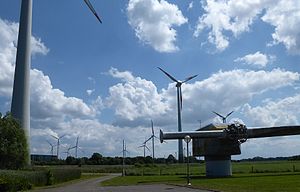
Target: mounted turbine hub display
(217, 142)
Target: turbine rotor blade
(218, 115)
(152, 127)
(175, 80)
(62, 136)
(180, 98)
(148, 140)
(147, 148)
(189, 78)
(229, 114)
(54, 137)
(88, 3)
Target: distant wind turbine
(68, 150)
(144, 145)
(77, 147)
(51, 146)
(223, 117)
(124, 151)
(179, 107)
(151, 137)
(20, 104)
(58, 143)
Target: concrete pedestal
(218, 166)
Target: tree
(13, 144)
(97, 159)
(171, 159)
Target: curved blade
(189, 78)
(229, 114)
(168, 75)
(92, 9)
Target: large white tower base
(218, 166)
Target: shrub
(13, 144)
(63, 175)
(12, 181)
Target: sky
(101, 82)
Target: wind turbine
(124, 151)
(144, 145)
(58, 143)
(20, 104)
(223, 117)
(68, 150)
(51, 146)
(179, 108)
(151, 137)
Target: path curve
(92, 185)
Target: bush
(13, 144)
(12, 181)
(24, 180)
(63, 175)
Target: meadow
(247, 176)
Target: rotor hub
(237, 131)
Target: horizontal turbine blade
(175, 80)
(273, 131)
(92, 9)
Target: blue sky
(101, 82)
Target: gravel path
(92, 185)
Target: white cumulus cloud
(237, 16)
(8, 50)
(154, 21)
(285, 17)
(257, 59)
(136, 97)
(273, 113)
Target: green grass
(247, 177)
(288, 182)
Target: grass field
(247, 177)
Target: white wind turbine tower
(179, 108)
(58, 143)
(20, 104)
